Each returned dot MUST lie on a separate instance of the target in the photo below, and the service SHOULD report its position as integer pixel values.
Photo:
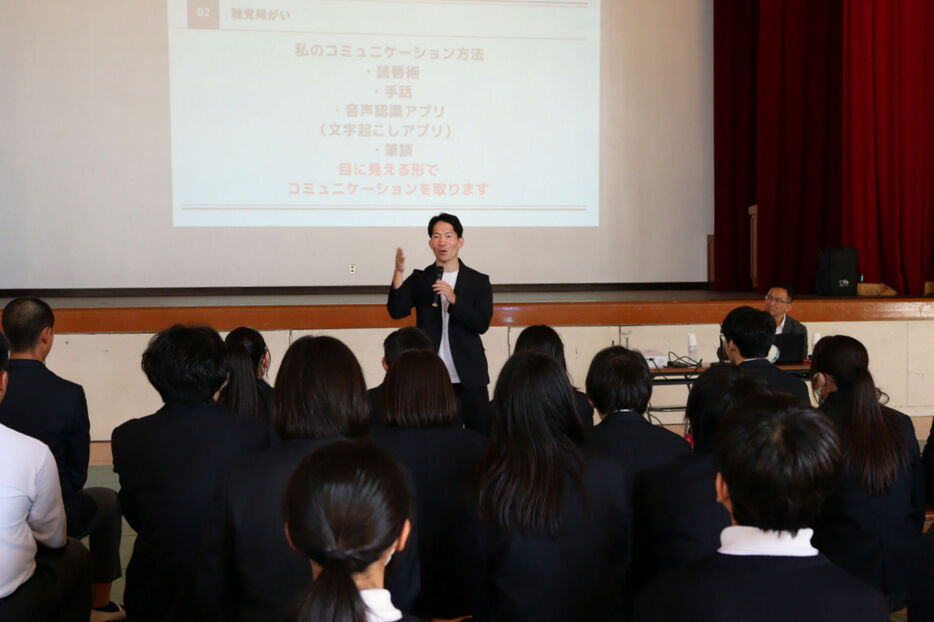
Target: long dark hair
(344, 506)
(871, 437)
(320, 391)
(535, 435)
(417, 391)
(245, 351)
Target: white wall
(108, 365)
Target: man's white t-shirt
(444, 350)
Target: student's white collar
(742, 540)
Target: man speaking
(454, 305)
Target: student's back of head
(751, 330)
(246, 361)
(403, 340)
(320, 391)
(872, 438)
(345, 508)
(534, 438)
(712, 395)
(619, 379)
(778, 460)
(23, 321)
(417, 392)
(186, 364)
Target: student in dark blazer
(620, 386)
(398, 341)
(248, 571)
(776, 461)
(346, 509)
(871, 522)
(546, 339)
(550, 537)
(463, 313)
(747, 335)
(422, 433)
(246, 390)
(677, 518)
(53, 410)
(169, 464)
(921, 589)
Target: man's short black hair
(24, 319)
(779, 460)
(403, 340)
(186, 364)
(4, 353)
(787, 288)
(752, 330)
(451, 219)
(619, 379)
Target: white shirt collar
(780, 327)
(379, 607)
(742, 540)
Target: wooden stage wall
(344, 316)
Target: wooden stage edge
(603, 313)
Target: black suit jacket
(778, 380)
(53, 410)
(676, 516)
(248, 571)
(439, 460)
(170, 464)
(469, 318)
(794, 327)
(579, 574)
(875, 537)
(921, 591)
(584, 409)
(631, 440)
(759, 588)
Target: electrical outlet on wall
(352, 268)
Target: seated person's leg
(100, 519)
(59, 589)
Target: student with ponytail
(248, 572)
(551, 535)
(871, 524)
(346, 509)
(247, 391)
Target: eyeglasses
(774, 299)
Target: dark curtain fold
(735, 36)
(799, 146)
(777, 137)
(888, 146)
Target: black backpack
(837, 271)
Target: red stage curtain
(888, 145)
(777, 137)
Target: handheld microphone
(439, 272)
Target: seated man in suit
(676, 517)
(776, 462)
(619, 385)
(778, 304)
(43, 576)
(397, 342)
(53, 410)
(747, 335)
